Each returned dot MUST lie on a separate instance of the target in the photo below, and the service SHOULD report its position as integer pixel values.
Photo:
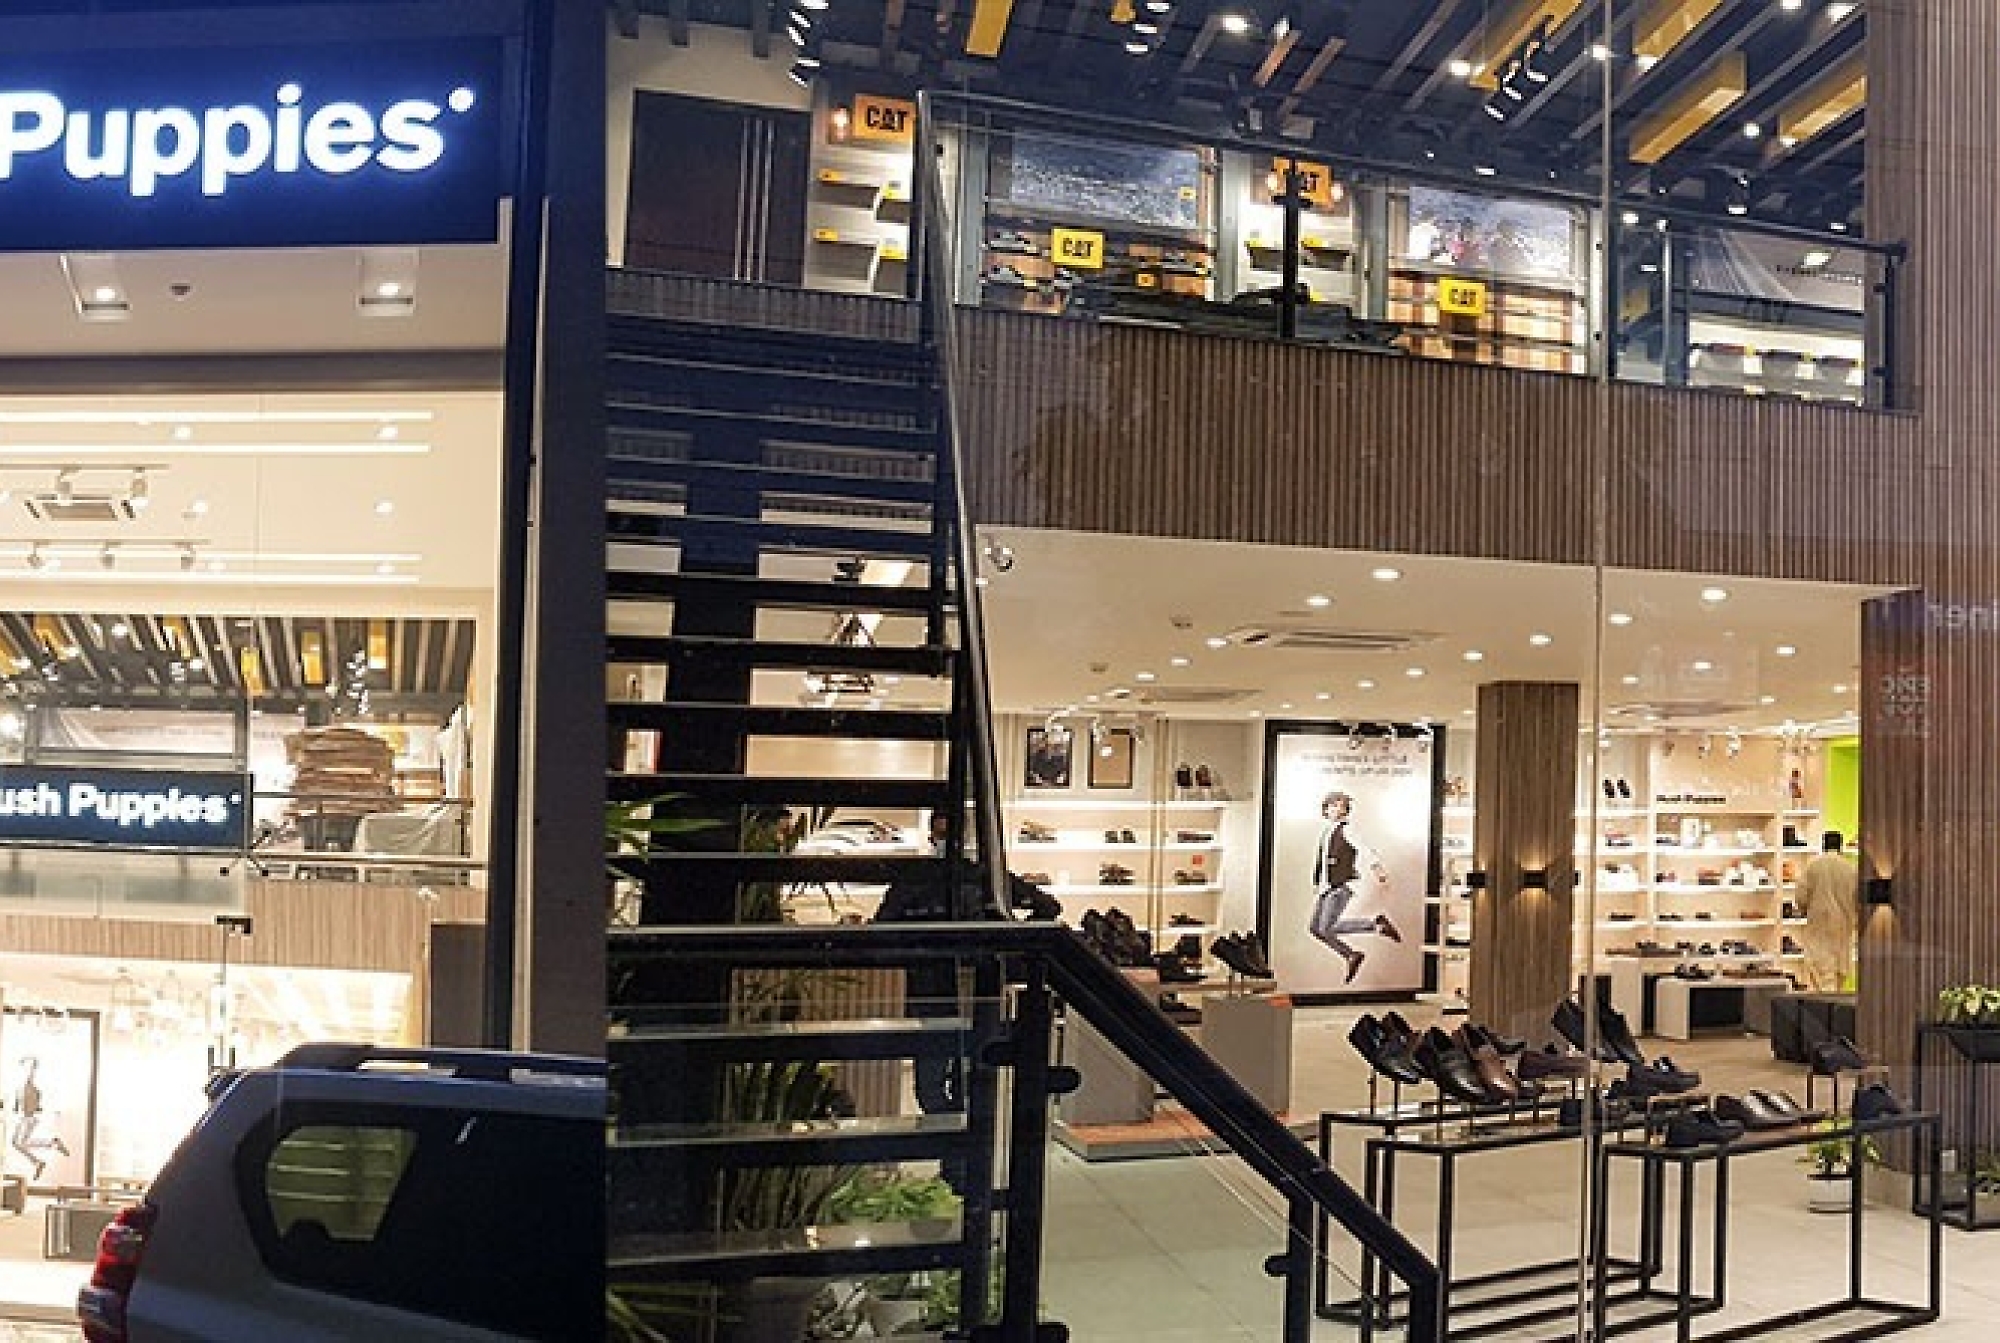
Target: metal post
(1299, 1257)
(982, 1112)
(1288, 295)
(1027, 1157)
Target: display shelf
(1123, 806)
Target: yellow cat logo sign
(1467, 298)
(1077, 249)
(889, 120)
(1315, 181)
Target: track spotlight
(1534, 51)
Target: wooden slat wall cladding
(1524, 817)
(1931, 659)
(1131, 429)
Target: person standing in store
(1337, 864)
(1826, 897)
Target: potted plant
(904, 1303)
(1972, 1011)
(1829, 1186)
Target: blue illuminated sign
(252, 147)
(128, 808)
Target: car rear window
(490, 1219)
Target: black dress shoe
(1603, 1110)
(1682, 1079)
(1749, 1111)
(1876, 1101)
(1701, 1127)
(1229, 950)
(1260, 959)
(1537, 1064)
(1837, 1055)
(1618, 1037)
(1449, 1069)
(1568, 1021)
(1385, 1051)
(1648, 1081)
(1174, 970)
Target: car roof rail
(491, 1065)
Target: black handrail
(1113, 1005)
(972, 688)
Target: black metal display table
(1965, 1051)
(1681, 1304)
(1488, 1303)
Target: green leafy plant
(1969, 1005)
(1831, 1157)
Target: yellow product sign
(1145, 279)
(1315, 181)
(1464, 297)
(825, 235)
(1077, 249)
(890, 120)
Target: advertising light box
(325, 145)
(125, 808)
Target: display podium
(1250, 1035)
(1113, 1089)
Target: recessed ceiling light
(1364, 685)
(1629, 219)
(1541, 640)
(1460, 68)
(182, 433)
(196, 664)
(1599, 52)
(1413, 672)
(1791, 6)
(1146, 27)
(387, 432)
(1702, 665)
(1136, 48)
(1840, 9)
(1468, 713)
(1324, 694)
(104, 293)
(1628, 679)
(1645, 62)
(384, 507)
(385, 569)
(1234, 22)
(1144, 676)
(1181, 662)
(1286, 705)
(1767, 699)
(1217, 641)
(389, 289)
(1474, 655)
(1620, 618)
(1751, 130)
(1840, 690)
(1713, 595)
(1385, 574)
(120, 630)
(1787, 651)
(1319, 599)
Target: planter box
(1981, 1044)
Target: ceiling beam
(1691, 108)
(1824, 103)
(1275, 57)
(760, 28)
(1651, 81)
(988, 29)
(1310, 76)
(1198, 48)
(1665, 24)
(677, 22)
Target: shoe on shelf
(1779, 1102)
(1877, 1101)
(1547, 1062)
(1184, 921)
(1680, 1079)
(1258, 957)
(1127, 837)
(1173, 969)
(1751, 1112)
(1385, 1051)
(1178, 1011)
(1454, 1075)
(1700, 1126)
(1493, 1075)
(1610, 793)
(1183, 776)
(1503, 1045)
(1603, 1110)
(1624, 791)
(1648, 1082)
(1034, 832)
(1835, 1056)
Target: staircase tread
(873, 1240)
(802, 1131)
(787, 1030)
(911, 378)
(806, 593)
(801, 426)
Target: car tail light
(100, 1307)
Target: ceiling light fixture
(1840, 9)
(1319, 600)
(1599, 52)
(1815, 259)
(1234, 23)
(385, 507)
(1144, 676)
(1714, 595)
(1628, 679)
(1364, 684)
(1413, 672)
(1751, 130)
(1541, 640)
(1474, 655)
(388, 282)
(1460, 68)
(1619, 618)
(95, 287)
(1787, 651)
(1216, 641)
(1385, 574)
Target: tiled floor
(1170, 1250)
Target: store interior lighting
(96, 289)
(388, 285)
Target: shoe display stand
(1160, 876)
(1962, 1057)
(1696, 838)
(1670, 1291)
(1683, 1006)
(1250, 1035)
(1534, 324)
(1487, 1303)
(857, 210)
(1328, 248)
(1448, 936)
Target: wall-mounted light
(1534, 878)
(1475, 880)
(1881, 891)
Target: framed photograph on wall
(1049, 751)
(48, 1084)
(1349, 854)
(1111, 759)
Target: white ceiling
(296, 531)
(255, 302)
(1080, 617)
